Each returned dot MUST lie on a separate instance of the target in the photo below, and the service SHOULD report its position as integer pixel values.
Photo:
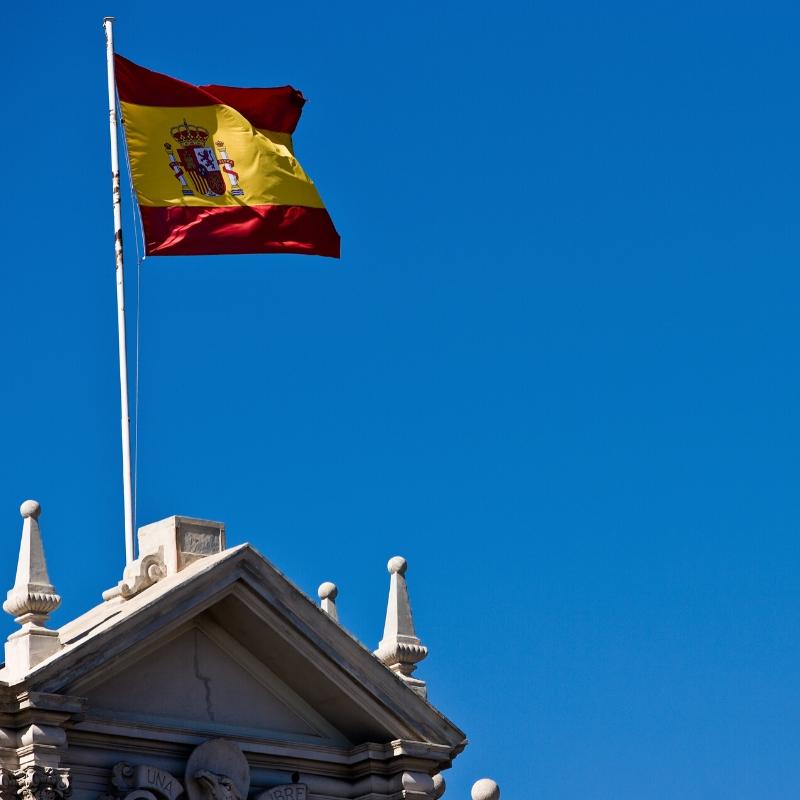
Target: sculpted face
(217, 787)
(217, 770)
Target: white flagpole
(123, 354)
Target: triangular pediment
(202, 676)
(229, 646)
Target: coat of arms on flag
(195, 157)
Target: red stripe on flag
(144, 87)
(276, 109)
(219, 230)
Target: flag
(214, 168)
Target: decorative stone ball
(397, 564)
(327, 591)
(30, 508)
(485, 789)
(438, 785)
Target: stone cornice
(26, 708)
(349, 763)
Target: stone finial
(400, 649)
(485, 789)
(31, 599)
(327, 595)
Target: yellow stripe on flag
(263, 161)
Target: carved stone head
(217, 787)
(217, 770)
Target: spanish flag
(214, 168)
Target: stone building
(206, 673)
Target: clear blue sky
(556, 367)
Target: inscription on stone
(148, 777)
(143, 782)
(291, 791)
(202, 541)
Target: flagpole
(123, 354)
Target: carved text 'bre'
(293, 791)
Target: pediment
(201, 676)
(229, 646)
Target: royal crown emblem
(206, 169)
